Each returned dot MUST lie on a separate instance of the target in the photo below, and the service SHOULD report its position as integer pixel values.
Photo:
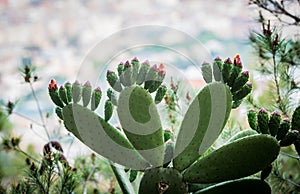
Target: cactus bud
(240, 81)
(283, 128)
(63, 94)
(263, 121)
(108, 110)
(243, 92)
(252, 119)
(236, 70)
(113, 80)
(168, 134)
(112, 97)
(151, 77)
(86, 93)
(127, 74)
(296, 119)
(143, 72)
(289, 139)
(96, 97)
(160, 94)
(169, 153)
(217, 69)
(76, 91)
(274, 123)
(135, 69)
(266, 172)
(58, 112)
(68, 87)
(206, 72)
(159, 74)
(120, 69)
(53, 93)
(226, 70)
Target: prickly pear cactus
(171, 163)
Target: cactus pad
(141, 123)
(238, 159)
(162, 180)
(202, 124)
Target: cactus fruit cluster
(285, 131)
(230, 73)
(171, 164)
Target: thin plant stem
(18, 149)
(39, 109)
(28, 118)
(291, 156)
(87, 179)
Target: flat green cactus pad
(162, 180)
(101, 137)
(242, 134)
(141, 123)
(202, 124)
(244, 186)
(238, 159)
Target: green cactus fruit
(244, 186)
(274, 123)
(113, 80)
(243, 92)
(86, 93)
(135, 69)
(58, 112)
(145, 66)
(252, 119)
(168, 134)
(152, 79)
(202, 123)
(283, 129)
(242, 134)
(169, 153)
(227, 65)
(162, 180)
(206, 72)
(236, 70)
(155, 77)
(76, 91)
(127, 74)
(63, 94)
(263, 121)
(112, 96)
(296, 119)
(101, 137)
(238, 159)
(240, 81)
(217, 69)
(159, 96)
(53, 93)
(132, 176)
(266, 172)
(68, 87)
(120, 70)
(141, 123)
(96, 97)
(289, 139)
(108, 110)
